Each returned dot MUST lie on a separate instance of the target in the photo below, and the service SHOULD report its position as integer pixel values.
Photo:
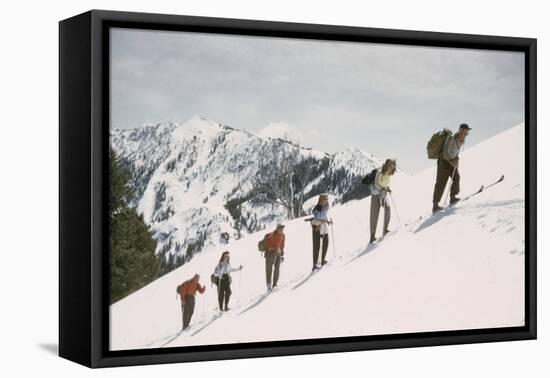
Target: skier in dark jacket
(187, 291)
(380, 191)
(447, 166)
(223, 272)
(319, 226)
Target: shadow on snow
(370, 247)
(214, 318)
(305, 279)
(434, 218)
(253, 305)
(311, 274)
(171, 339)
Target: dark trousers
(444, 171)
(187, 309)
(224, 291)
(272, 265)
(375, 206)
(317, 237)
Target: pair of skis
(483, 188)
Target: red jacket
(190, 287)
(275, 241)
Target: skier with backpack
(319, 227)
(273, 246)
(222, 274)
(187, 291)
(445, 147)
(380, 188)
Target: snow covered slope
(197, 181)
(462, 269)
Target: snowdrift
(461, 269)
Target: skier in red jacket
(187, 291)
(274, 255)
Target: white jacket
(381, 182)
(452, 147)
(224, 268)
(320, 218)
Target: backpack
(178, 289)
(262, 247)
(436, 143)
(369, 178)
(213, 278)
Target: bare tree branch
(285, 176)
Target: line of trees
(132, 260)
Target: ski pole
(219, 288)
(203, 309)
(453, 176)
(395, 208)
(240, 276)
(333, 242)
(280, 264)
(449, 190)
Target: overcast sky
(384, 99)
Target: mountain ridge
(200, 183)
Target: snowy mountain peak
(356, 160)
(200, 183)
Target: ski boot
(372, 238)
(436, 208)
(454, 200)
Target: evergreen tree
(133, 263)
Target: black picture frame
(83, 178)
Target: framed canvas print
(234, 188)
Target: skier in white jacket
(379, 198)
(223, 273)
(319, 225)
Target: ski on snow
(483, 187)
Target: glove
(241, 267)
(282, 259)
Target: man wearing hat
(447, 166)
(275, 250)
